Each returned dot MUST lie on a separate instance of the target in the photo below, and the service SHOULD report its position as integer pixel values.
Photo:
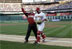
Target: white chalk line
(47, 40)
(55, 41)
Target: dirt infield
(49, 41)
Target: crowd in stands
(10, 6)
(10, 1)
(17, 6)
(62, 6)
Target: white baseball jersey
(40, 17)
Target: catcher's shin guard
(38, 36)
(43, 35)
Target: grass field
(52, 29)
(15, 45)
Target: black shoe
(35, 43)
(26, 41)
(43, 40)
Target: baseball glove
(39, 22)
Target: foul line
(55, 41)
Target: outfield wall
(60, 18)
(22, 18)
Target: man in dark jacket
(31, 26)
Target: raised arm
(24, 12)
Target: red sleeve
(31, 14)
(23, 10)
(26, 12)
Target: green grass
(16, 45)
(52, 29)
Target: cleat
(35, 43)
(26, 41)
(43, 40)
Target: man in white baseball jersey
(40, 19)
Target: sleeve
(24, 12)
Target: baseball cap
(37, 9)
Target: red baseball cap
(37, 9)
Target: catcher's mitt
(39, 22)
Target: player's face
(38, 11)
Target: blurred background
(56, 10)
